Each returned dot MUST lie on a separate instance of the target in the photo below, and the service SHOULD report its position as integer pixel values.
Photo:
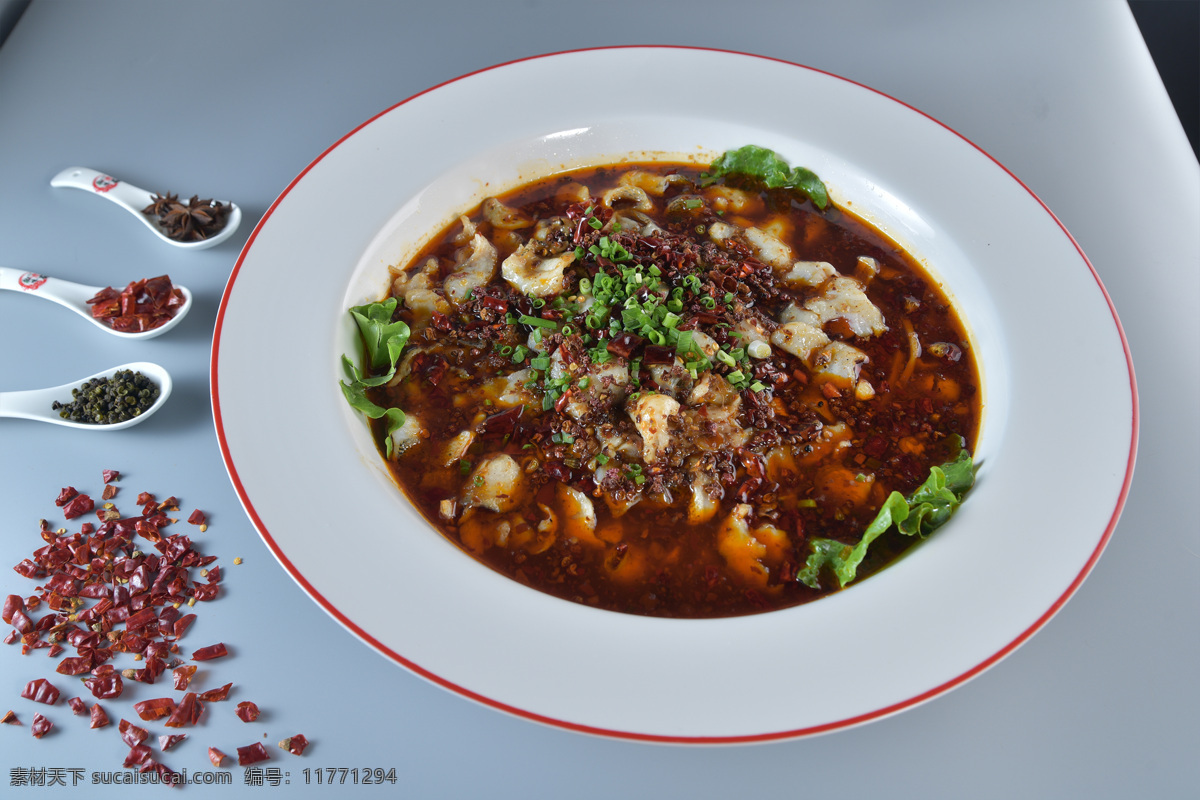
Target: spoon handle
(126, 195)
(66, 293)
(32, 403)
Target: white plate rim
(615, 731)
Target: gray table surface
(234, 99)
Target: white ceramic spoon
(75, 296)
(133, 200)
(36, 403)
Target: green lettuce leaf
(919, 514)
(384, 342)
(775, 173)
(383, 339)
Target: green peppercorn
(105, 401)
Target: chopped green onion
(536, 322)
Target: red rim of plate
(848, 722)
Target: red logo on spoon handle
(31, 280)
(102, 183)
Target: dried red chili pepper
(10, 718)
(252, 754)
(12, 604)
(182, 624)
(139, 755)
(247, 711)
(21, 622)
(41, 726)
(65, 495)
(197, 517)
(216, 756)
(131, 734)
(213, 695)
(105, 687)
(295, 745)
(77, 705)
(186, 713)
(183, 676)
(141, 306)
(212, 651)
(99, 718)
(41, 690)
(78, 506)
(167, 741)
(156, 708)
(110, 475)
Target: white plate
(1057, 447)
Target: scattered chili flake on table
(167, 741)
(252, 754)
(41, 726)
(99, 718)
(295, 745)
(215, 695)
(41, 691)
(208, 653)
(10, 718)
(115, 587)
(150, 710)
(105, 685)
(131, 734)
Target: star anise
(160, 204)
(197, 220)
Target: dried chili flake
(154, 709)
(247, 711)
(77, 705)
(182, 624)
(208, 653)
(12, 604)
(145, 497)
(41, 726)
(41, 690)
(109, 492)
(21, 622)
(106, 686)
(197, 517)
(216, 756)
(214, 695)
(110, 475)
(78, 506)
(131, 734)
(252, 754)
(65, 495)
(139, 755)
(183, 676)
(295, 745)
(99, 718)
(167, 741)
(187, 712)
(10, 718)
(29, 568)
